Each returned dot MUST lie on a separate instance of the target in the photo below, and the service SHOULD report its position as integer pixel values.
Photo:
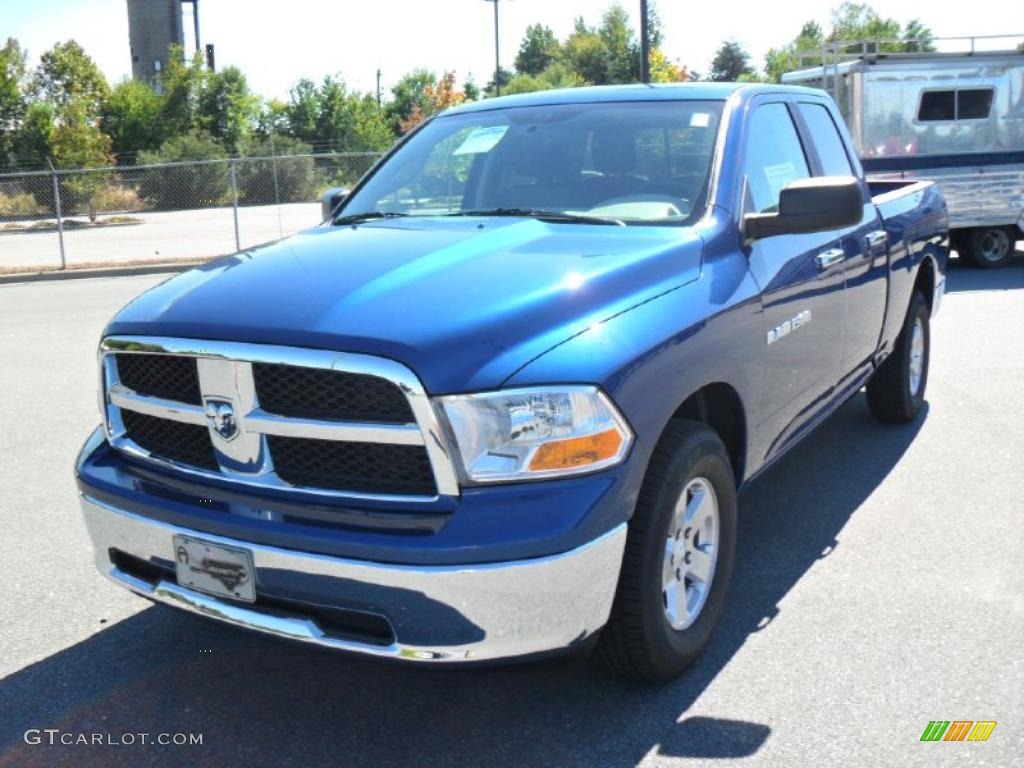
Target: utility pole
(378, 87)
(497, 54)
(645, 45)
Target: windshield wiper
(355, 218)
(542, 215)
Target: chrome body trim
(397, 434)
(830, 258)
(876, 238)
(125, 398)
(225, 374)
(438, 614)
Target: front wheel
(678, 560)
(896, 391)
(988, 247)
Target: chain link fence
(155, 213)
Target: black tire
(890, 395)
(639, 640)
(958, 243)
(988, 247)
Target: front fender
(650, 359)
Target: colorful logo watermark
(958, 730)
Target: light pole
(497, 54)
(645, 45)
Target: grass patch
(101, 265)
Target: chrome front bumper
(436, 614)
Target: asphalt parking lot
(878, 587)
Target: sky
(276, 43)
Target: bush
(114, 197)
(193, 185)
(296, 178)
(19, 204)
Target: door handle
(876, 238)
(830, 258)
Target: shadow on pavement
(963, 277)
(258, 702)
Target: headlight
(524, 434)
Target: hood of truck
(464, 302)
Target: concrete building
(153, 25)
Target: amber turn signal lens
(576, 451)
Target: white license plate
(214, 568)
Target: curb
(76, 274)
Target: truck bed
(881, 188)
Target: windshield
(634, 163)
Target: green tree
(181, 84)
(778, 61)
(731, 62)
(555, 76)
(586, 53)
(67, 77)
(330, 113)
(227, 108)
(471, 89)
(502, 77)
(859, 21)
(351, 121)
(78, 143)
(302, 110)
(655, 33)
(538, 51)
(408, 94)
(622, 53)
(810, 36)
(13, 102)
(273, 118)
(193, 185)
(917, 37)
(131, 118)
(34, 140)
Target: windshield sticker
(779, 176)
(481, 140)
(700, 120)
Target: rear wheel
(678, 560)
(896, 391)
(988, 247)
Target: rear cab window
(827, 141)
(773, 159)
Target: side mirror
(332, 198)
(809, 205)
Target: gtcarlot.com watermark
(55, 736)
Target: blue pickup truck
(500, 403)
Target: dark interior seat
(613, 153)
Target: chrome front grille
(169, 377)
(276, 417)
(171, 440)
(312, 393)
